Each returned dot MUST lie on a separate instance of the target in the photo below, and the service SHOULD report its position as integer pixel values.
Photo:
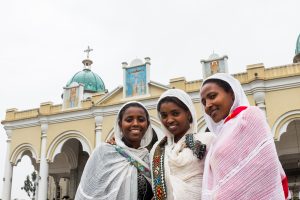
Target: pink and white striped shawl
(242, 162)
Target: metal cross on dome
(88, 50)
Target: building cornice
(272, 85)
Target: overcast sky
(42, 43)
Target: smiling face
(216, 101)
(175, 119)
(133, 124)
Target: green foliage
(30, 184)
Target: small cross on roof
(88, 50)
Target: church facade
(60, 138)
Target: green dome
(297, 50)
(92, 82)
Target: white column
(57, 186)
(148, 64)
(43, 176)
(7, 180)
(98, 129)
(258, 88)
(37, 186)
(124, 66)
(259, 98)
(73, 183)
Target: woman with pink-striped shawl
(242, 162)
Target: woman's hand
(111, 141)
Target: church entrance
(66, 170)
(288, 148)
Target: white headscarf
(108, 174)
(240, 98)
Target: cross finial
(88, 50)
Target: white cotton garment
(108, 174)
(183, 170)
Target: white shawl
(242, 162)
(108, 174)
(183, 171)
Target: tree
(30, 185)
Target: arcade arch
(67, 155)
(25, 149)
(287, 130)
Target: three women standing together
(241, 160)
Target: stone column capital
(259, 97)
(98, 120)
(44, 127)
(8, 133)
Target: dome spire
(87, 62)
(88, 50)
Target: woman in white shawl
(121, 171)
(178, 159)
(242, 162)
